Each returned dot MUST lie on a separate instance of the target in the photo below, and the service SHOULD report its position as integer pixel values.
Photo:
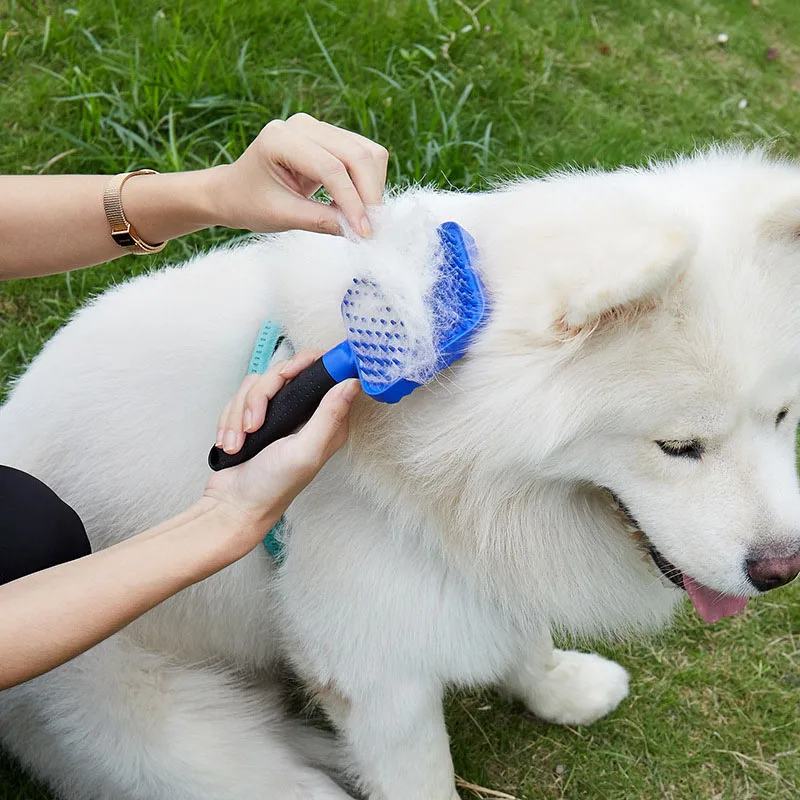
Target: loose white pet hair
(403, 261)
(622, 427)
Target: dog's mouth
(634, 529)
(710, 604)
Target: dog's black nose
(771, 570)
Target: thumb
(298, 213)
(327, 430)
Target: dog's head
(645, 351)
(626, 419)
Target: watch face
(123, 238)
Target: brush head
(386, 352)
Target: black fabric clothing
(37, 528)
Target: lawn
(462, 96)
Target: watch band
(122, 232)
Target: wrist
(216, 182)
(199, 192)
(168, 205)
(240, 531)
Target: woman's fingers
(247, 409)
(327, 429)
(268, 188)
(309, 215)
(270, 383)
(221, 425)
(259, 394)
(298, 362)
(296, 152)
(366, 161)
(233, 429)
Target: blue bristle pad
(378, 339)
(380, 342)
(459, 290)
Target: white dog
(627, 415)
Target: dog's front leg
(396, 739)
(564, 686)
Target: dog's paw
(578, 688)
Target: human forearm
(49, 617)
(55, 223)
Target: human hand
(261, 489)
(268, 189)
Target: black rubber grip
(288, 410)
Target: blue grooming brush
(378, 346)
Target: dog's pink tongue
(710, 604)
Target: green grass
(105, 86)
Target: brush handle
(293, 405)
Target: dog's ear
(589, 260)
(620, 272)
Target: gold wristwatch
(122, 232)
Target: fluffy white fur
(459, 527)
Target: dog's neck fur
(512, 533)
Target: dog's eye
(692, 449)
(781, 416)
